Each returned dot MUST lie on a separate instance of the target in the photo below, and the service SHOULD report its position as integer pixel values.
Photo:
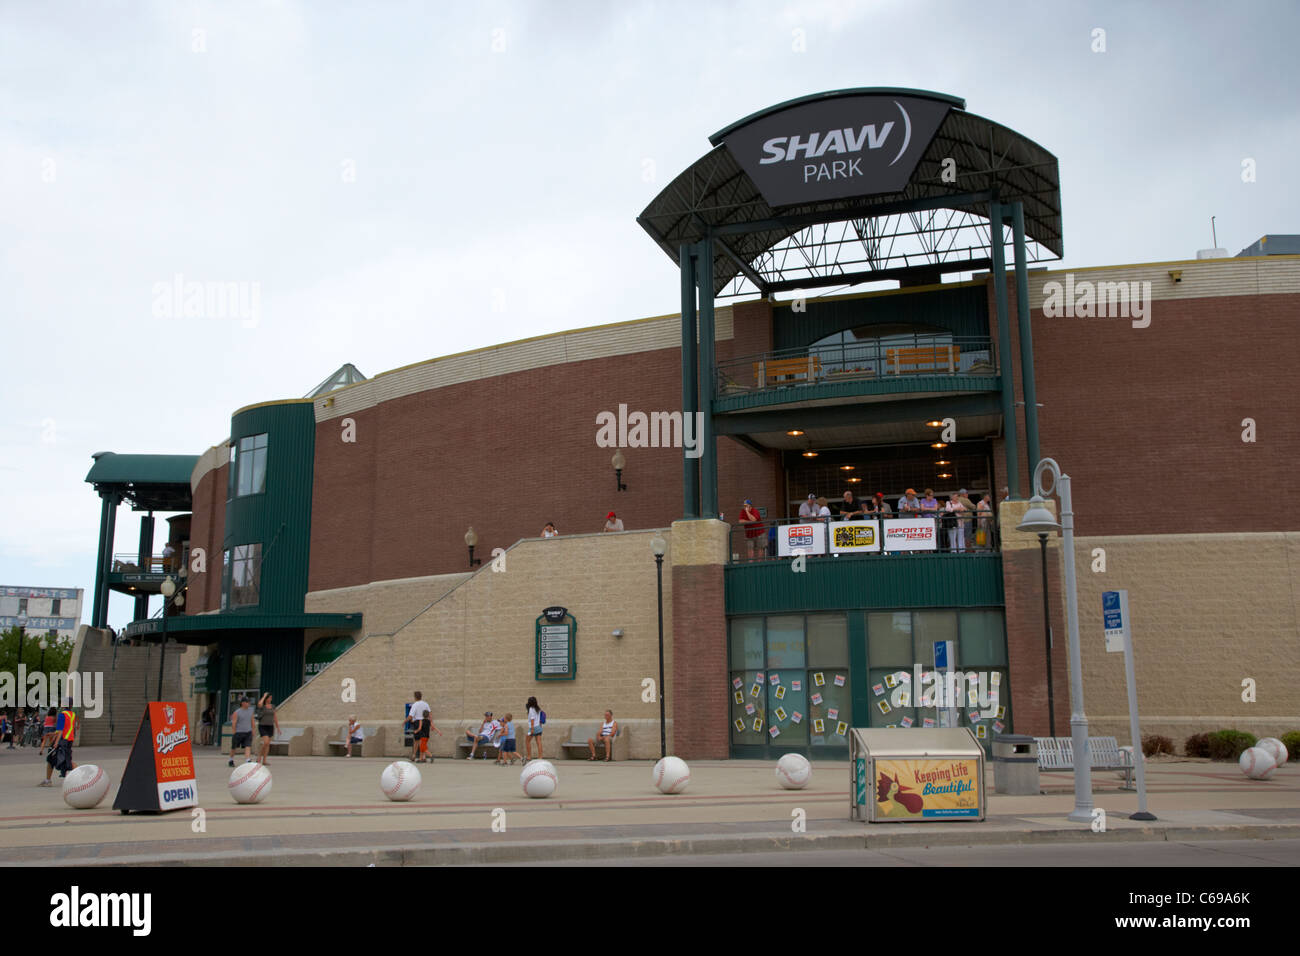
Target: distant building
(53, 611)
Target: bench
(464, 744)
(1057, 753)
(295, 741)
(575, 748)
(930, 358)
(340, 744)
(769, 371)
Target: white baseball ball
(793, 771)
(539, 779)
(400, 780)
(1257, 763)
(671, 775)
(85, 787)
(1276, 749)
(250, 783)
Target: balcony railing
(156, 564)
(896, 356)
(877, 537)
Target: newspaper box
(916, 774)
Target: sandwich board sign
(159, 774)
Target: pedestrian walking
(536, 717)
(241, 726)
(60, 755)
(268, 726)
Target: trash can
(1015, 765)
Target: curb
(459, 854)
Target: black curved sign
(836, 148)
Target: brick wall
(207, 531)
(474, 649)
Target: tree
(57, 656)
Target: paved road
(1216, 853)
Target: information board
(556, 640)
(807, 538)
(159, 772)
(910, 534)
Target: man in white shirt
(417, 715)
(613, 522)
(487, 732)
(809, 508)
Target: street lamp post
(168, 589)
(1047, 640)
(1039, 520)
(658, 545)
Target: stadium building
(385, 534)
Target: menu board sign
(556, 632)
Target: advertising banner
(927, 788)
(911, 534)
(159, 773)
(855, 537)
(807, 538)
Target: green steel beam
(1005, 362)
(690, 381)
(708, 445)
(831, 416)
(101, 566)
(855, 212)
(1026, 337)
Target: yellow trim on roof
(277, 401)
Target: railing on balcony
(156, 564)
(895, 356)
(877, 537)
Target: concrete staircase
(130, 682)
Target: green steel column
(707, 443)
(1005, 365)
(143, 558)
(1026, 339)
(690, 397)
(101, 565)
(114, 499)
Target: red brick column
(697, 687)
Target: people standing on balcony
(930, 504)
(984, 532)
(808, 509)
(549, 531)
(851, 508)
(823, 510)
(908, 505)
(882, 506)
(968, 519)
(955, 523)
(613, 522)
(755, 530)
(168, 554)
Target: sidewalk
(329, 811)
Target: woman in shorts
(534, 711)
(268, 725)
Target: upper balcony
(914, 365)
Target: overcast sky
(399, 181)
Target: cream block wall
(1208, 611)
(473, 650)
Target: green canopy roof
(149, 482)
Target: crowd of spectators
(965, 524)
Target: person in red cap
(882, 505)
(613, 522)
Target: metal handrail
(969, 355)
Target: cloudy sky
(397, 181)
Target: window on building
(55, 607)
(245, 574)
(248, 466)
(245, 679)
(22, 606)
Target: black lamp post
(168, 589)
(619, 463)
(1047, 638)
(658, 545)
(471, 539)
